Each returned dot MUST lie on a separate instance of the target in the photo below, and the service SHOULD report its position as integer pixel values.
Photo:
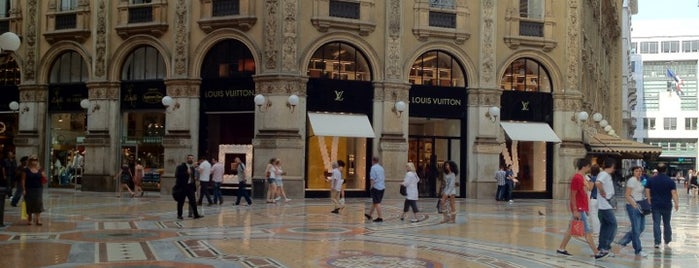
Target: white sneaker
(511, 201)
(287, 200)
(642, 254)
(277, 199)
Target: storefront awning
(341, 125)
(602, 143)
(529, 132)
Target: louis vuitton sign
(340, 96)
(437, 102)
(227, 95)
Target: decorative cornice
(484, 97)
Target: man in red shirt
(579, 207)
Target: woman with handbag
(410, 182)
(634, 207)
(33, 180)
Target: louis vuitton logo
(525, 105)
(338, 95)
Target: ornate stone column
(31, 137)
(280, 130)
(181, 128)
(102, 139)
(391, 144)
(565, 108)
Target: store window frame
(71, 68)
(522, 68)
(420, 70)
(147, 71)
(322, 66)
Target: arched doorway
(437, 122)
(67, 121)
(142, 116)
(527, 103)
(10, 78)
(339, 85)
(227, 113)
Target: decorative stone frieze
(484, 97)
(289, 36)
(181, 38)
(30, 56)
(488, 43)
(270, 34)
(101, 42)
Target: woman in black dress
(125, 178)
(33, 190)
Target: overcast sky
(667, 9)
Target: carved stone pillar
(32, 122)
(565, 107)
(391, 145)
(181, 128)
(102, 139)
(483, 134)
(280, 130)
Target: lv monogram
(525, 105)
(338, 95)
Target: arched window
(339, 60)
(68, 68)
(228, 59)
(144, 63)
(526, 74)
(9, 73)
(437, 68)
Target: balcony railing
(442, 19)
(225, 8)
(140, 14)
(66, 21)
(531, 28)
(342, 9)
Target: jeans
(217, 193)
(500, 194)
(17, 195)
(665, 213)
(607, 229)
(508, 192)
(638, 222)
(242, 192)
(204, 191)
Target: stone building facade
(425, 74)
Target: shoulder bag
(644, 206)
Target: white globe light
(14, 106)
(603, 123)
(608, 128)
(293, 99)
(259, 100)
(85, 103)
(167, 101)
(611, 132)
(400, 106)
(582, 116)
(597, 117)
(494, 111)
(9, 41)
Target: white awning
(341, 125)
(529, 132)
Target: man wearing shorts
(580, 208)
(377, 188)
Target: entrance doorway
(430, 143)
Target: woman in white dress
(449, 192)
(410, 182)
(278, 172)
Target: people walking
(501, 177)
(378, 186)
(125, 177)
(635, 188)
(579, 208)
(271, 182)
(661, 191)
(605, 204)
(510, 175)
(410, 182)
(185, 187)
(32, 183)
(9, 169)
(449, 192)
(204, 181)
(139, 173)
(278, 173)
(336, 182)
(19, 190)
(692, 184)
(242, 183)
(217, 171)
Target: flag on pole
(677, 79)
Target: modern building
(667, 54)
(482, 83)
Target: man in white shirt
(217, 176)
(605, 193)
(204, 180)
(336, 182)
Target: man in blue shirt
(377, 188)
(659, 191)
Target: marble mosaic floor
(86, 229)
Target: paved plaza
(88, 229)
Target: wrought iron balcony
(66, 21)
(342, 9)
(146, 18)
(225, 8)
(140, 14)
(442, 19)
